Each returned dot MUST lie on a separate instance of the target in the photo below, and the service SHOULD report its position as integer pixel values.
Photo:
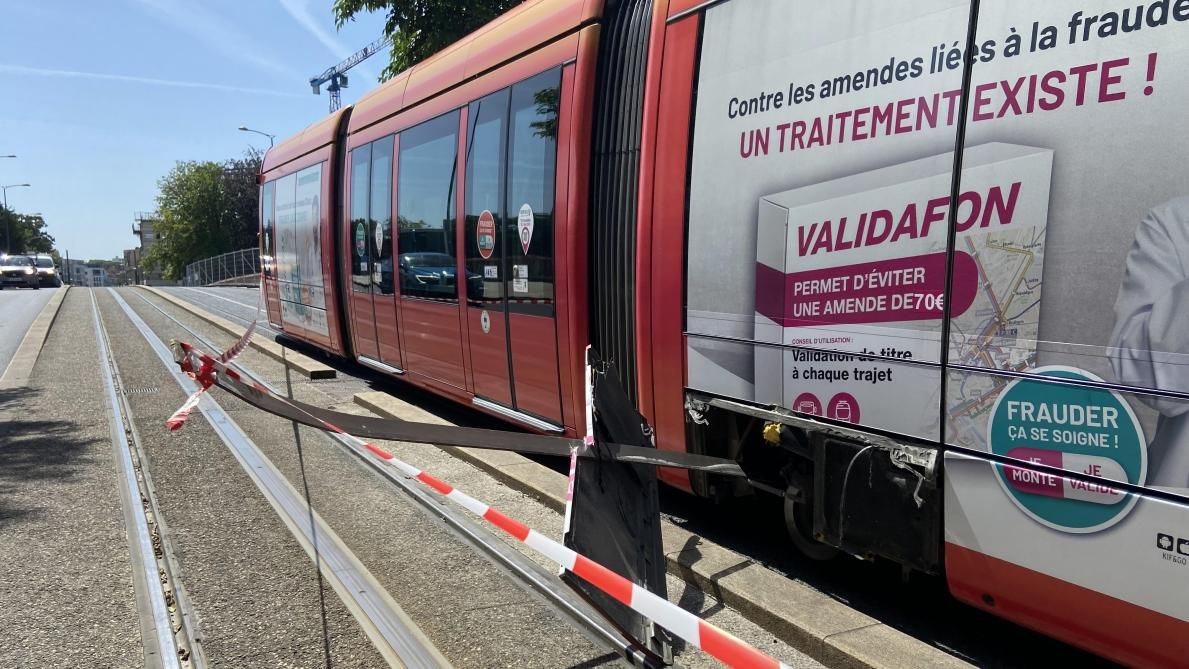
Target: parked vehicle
(18, 271)
(812, 237)
(47, 273)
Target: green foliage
(28, 233)
(548, 101)
(421, 28)
(204, 209)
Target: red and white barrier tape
(587, 440)
(204, 375)
(723, 646)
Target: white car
(47, 274)
(19, 272)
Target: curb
(810, 621)
(20, 368)
(304, 365)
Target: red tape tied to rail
(201, 368)
(721, 645)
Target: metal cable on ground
(305, 487)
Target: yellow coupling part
(772, 433)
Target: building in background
(97, 277)
(145, 230)
(75, 271)
(132, 264)
(118, 273)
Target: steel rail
(156, 626)
(530, 575)
(390, 629)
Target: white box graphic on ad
(857, 265)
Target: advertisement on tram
(823, 171)
(299, 250)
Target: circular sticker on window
(379, 237)
(524, 224)
(485, 234)
(1091, 431)
(485, 321)
(360, 239)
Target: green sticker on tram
(1088, 430)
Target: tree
(204, 209)
(243, 198)
(421, 28)
(27, 234)
(192, 217)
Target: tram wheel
(798, 519)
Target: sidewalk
(66, 594)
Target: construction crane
(335, 78)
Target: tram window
(529, 217)
(484, 190)
(361, 271)
(428, 259)
(285, 207)
(266, 224)
(380, 223)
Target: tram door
(267, 260)
(510, 176)
(373, 294)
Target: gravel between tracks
(66, 593)
(330, 477)
(253, 588)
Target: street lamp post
(258, 132)
(8, 217)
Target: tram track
(168, 627)
(526, 572)
(394, 634)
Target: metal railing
(242, 266)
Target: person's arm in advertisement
(1150, 343)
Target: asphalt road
(18, 308)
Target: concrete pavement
(66, 593)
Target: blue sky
(99, 98)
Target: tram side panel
(1096, 297)
(302, 262)
(469, 227)
(822, 173)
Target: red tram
(918, 266)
